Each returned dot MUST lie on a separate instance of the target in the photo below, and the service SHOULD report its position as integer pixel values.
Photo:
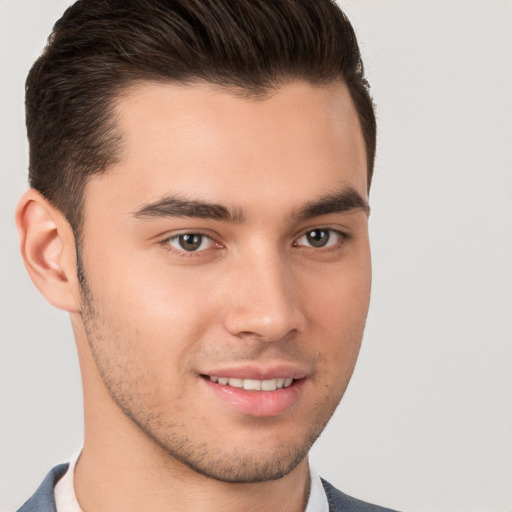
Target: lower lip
(258, 403)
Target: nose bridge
(264, 302)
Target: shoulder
(43, 499)
(340, 502)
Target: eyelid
(342, 237)
(174, 233)
(165, 242)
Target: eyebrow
(345, 200)
(172, 206)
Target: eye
(190, 242)
(320, 238)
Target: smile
(277, 389)
(253, 384)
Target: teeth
(236, 383)
(253, 384)
(269, 385)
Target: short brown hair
(99, 47)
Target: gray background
(427, 422)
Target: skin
(152, 319)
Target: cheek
(156, 315)
(337, 308)
(339, 297)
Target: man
(199, 205)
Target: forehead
(207, 142)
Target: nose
(264, 301)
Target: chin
(240, 460)
(243, 467)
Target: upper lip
(258, 372)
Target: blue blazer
(43, 500)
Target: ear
(47, 245)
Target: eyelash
(184, 253)
(342, 238)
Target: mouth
(271, 395)
(253, 384)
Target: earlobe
(48, 249)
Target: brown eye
(190, 242)
(318, 237)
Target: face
(227, 272)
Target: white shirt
(64, 492)
(65, 497)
